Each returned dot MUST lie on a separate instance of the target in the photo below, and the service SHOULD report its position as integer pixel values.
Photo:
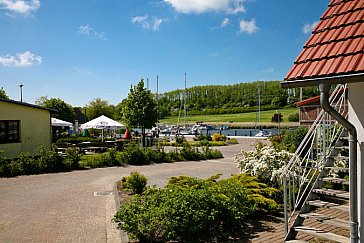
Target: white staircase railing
(301, 173)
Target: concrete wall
(35, 128)
(356, 117)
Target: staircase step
(331, 192)
(327, 220)
(323, 204)
(344, 138)
(337, 169)
(335, 180)
(342, 147)
(346, 158)
(295, 241)
(322, 234)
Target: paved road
(68, 207)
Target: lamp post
(21, 92)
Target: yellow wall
(35, 129)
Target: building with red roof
(310, 108)
(334, 54)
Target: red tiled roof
(336, 46)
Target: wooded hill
(229, 99)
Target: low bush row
(51, 161)
(46, 162)
(194, 210)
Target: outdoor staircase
(316, 182)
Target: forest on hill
(230, 99)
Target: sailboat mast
(185, 98)
(259, 103)
(157, 100)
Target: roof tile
(336, 46)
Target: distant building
(310, 108)
(80, 117)
(23, 128)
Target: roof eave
(340, 79)
(28, 105)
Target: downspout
(325, 104)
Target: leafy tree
(229, 99)
(98, 107)
(3, 94)
(140, 109)
(64, 111)
(41, 100)
(118, 113)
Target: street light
(21, 92)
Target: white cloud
(269, 70)
(201, 6)
(215, 55)
(82, 71)
(225, 22)
(23, 7)
(247, 26)
(308, 28)
(149, 23)
(88, 30)
(24, 59)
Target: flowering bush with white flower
(265, 162)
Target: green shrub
(203, 143)
(27, 164)
(174, 156)
(10, 168)
(73, 158)
(194, 210)
(180, 139)
(293, 138)
(156, 156)
(92, 161)
(50, 161)
(110, 158)
(209, 153)
(135, 183)
(134, 155)
(294, 117)
(218, 137)
(113, 157)
(201, 137)
(289, 140)
(232, 141)
(189, 153)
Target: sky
(81, 50)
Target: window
(9, 131)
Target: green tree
(140, 109)
(64, 111)
(3, 94)
(118, 114)
(98, 107)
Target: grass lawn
(250, 117)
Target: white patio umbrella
(60, 123)
(102, 122)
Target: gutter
(339, 79)
(325, 104)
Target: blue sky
(86, 49)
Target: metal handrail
(302, 171)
